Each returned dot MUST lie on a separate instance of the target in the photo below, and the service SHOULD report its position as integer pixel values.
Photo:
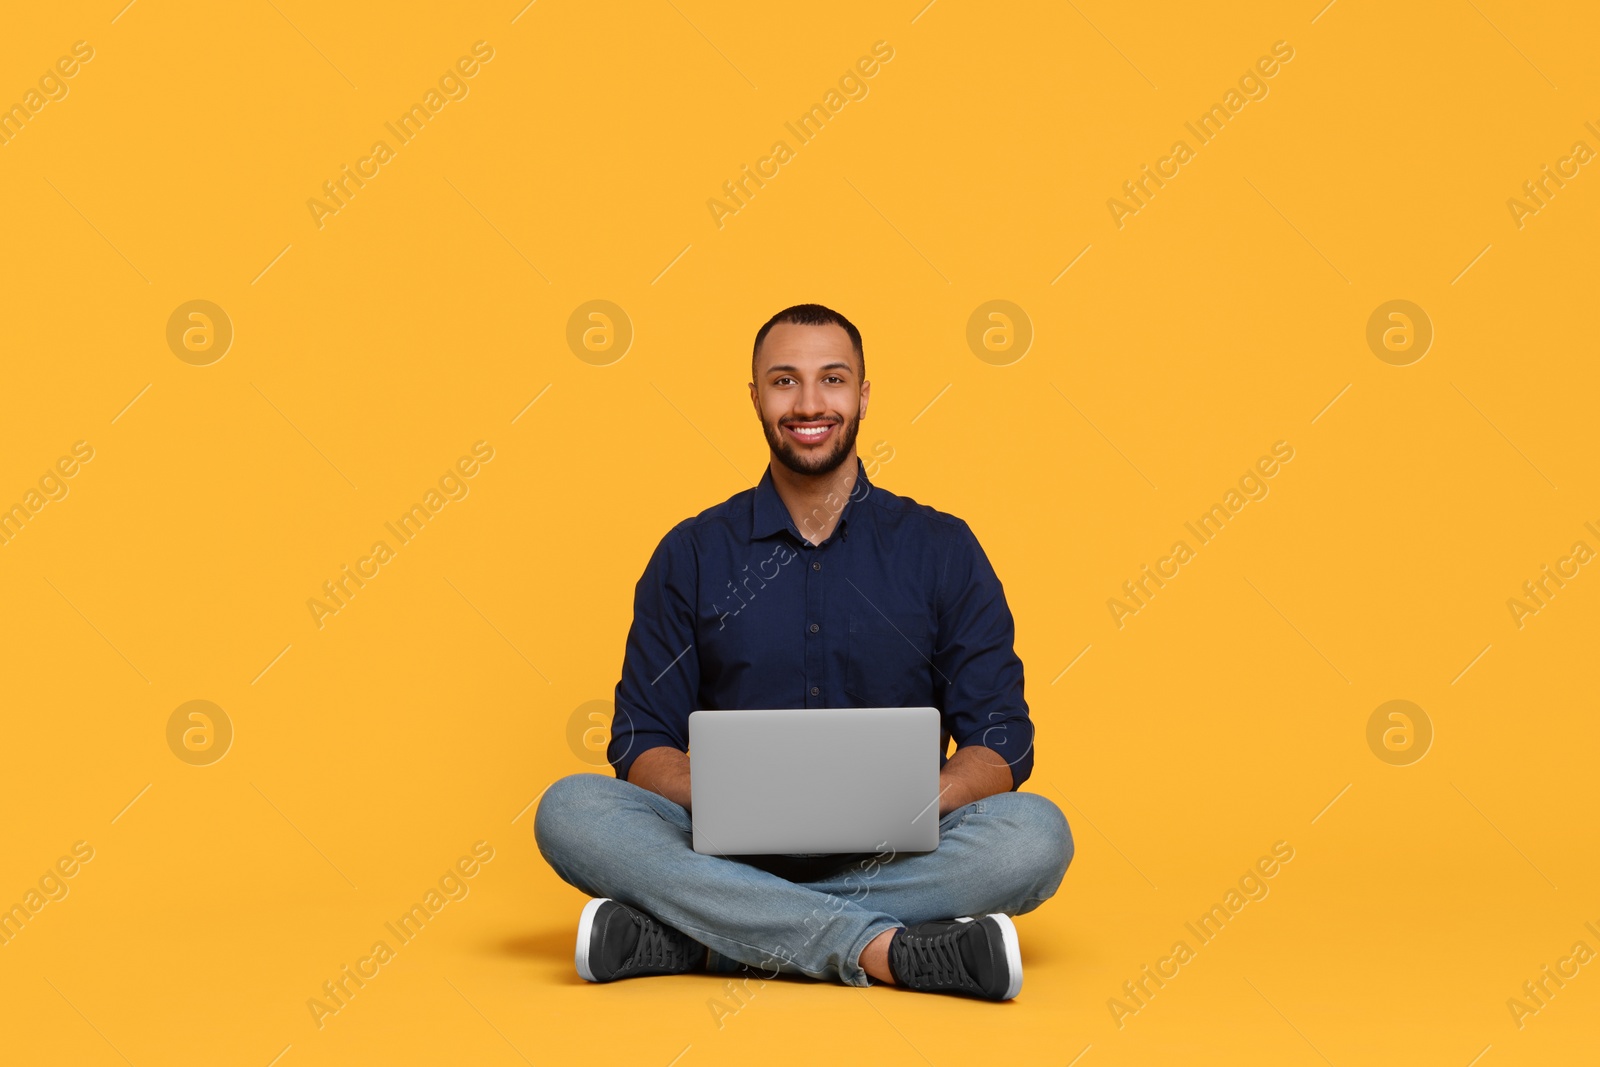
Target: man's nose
(811, 403)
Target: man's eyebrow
(795, 370)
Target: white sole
(580, 956)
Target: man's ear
(866, 394)
(755, 399)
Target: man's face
(810, 397)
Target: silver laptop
(814, 780)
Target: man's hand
(973, 773)
(665, 771)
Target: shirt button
(815, 627)
(816, 566)
(815, 690)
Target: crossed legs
(609, 838)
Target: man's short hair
(810, 315)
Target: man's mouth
(810, 433)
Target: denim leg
(1007, 853)
(611, 838)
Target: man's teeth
(810, 431)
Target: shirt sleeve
(660, 665)
(979, 672)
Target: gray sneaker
(979, 957)
(616, 941)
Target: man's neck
(815, 501)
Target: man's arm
(660, 674)
(665, 770)
(979, 679)
(971, 774)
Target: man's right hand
(664, 771)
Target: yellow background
(432, 309)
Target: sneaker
(616, 941)
(980, 957)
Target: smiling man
(815, 589)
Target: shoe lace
(659, 944)
(937, 960)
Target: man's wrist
(974, 772)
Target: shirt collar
(770, 515)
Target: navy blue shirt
(898, 607)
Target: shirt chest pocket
(888, 661)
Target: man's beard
(812, 465)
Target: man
(814, 589)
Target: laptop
(814, 781)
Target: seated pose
(815, 589)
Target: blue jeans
(808, 915)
